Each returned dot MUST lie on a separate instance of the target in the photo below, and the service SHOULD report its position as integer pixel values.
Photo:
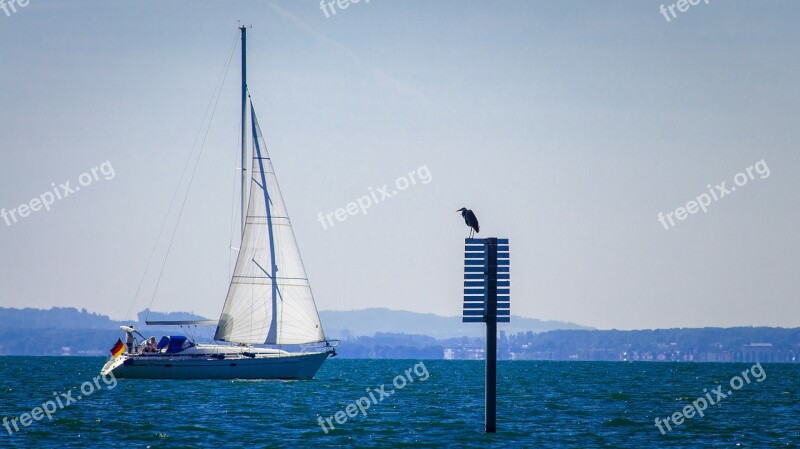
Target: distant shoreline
(390, 334)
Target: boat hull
(283, 366)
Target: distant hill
(368, 322)
(67, 330)
(72, 318)
(55, 318)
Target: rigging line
(233, 217)
(171, 203)
(224, 76)
(233, 200)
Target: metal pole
(491, 335)
(244, 127)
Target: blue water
(540, 404)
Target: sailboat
(269, 305)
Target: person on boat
(130, 341)
(151, 345)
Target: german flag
(118, 349)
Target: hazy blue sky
(566, 126)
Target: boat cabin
(174, 344)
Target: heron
(471, 220)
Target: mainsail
(269, 300)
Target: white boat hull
(282, 365)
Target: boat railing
(320, 345)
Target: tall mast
(244, 127)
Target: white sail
(269, 300)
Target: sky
(567, 127)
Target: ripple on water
(540, 404)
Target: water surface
(540, 404)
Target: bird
(471, 220)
